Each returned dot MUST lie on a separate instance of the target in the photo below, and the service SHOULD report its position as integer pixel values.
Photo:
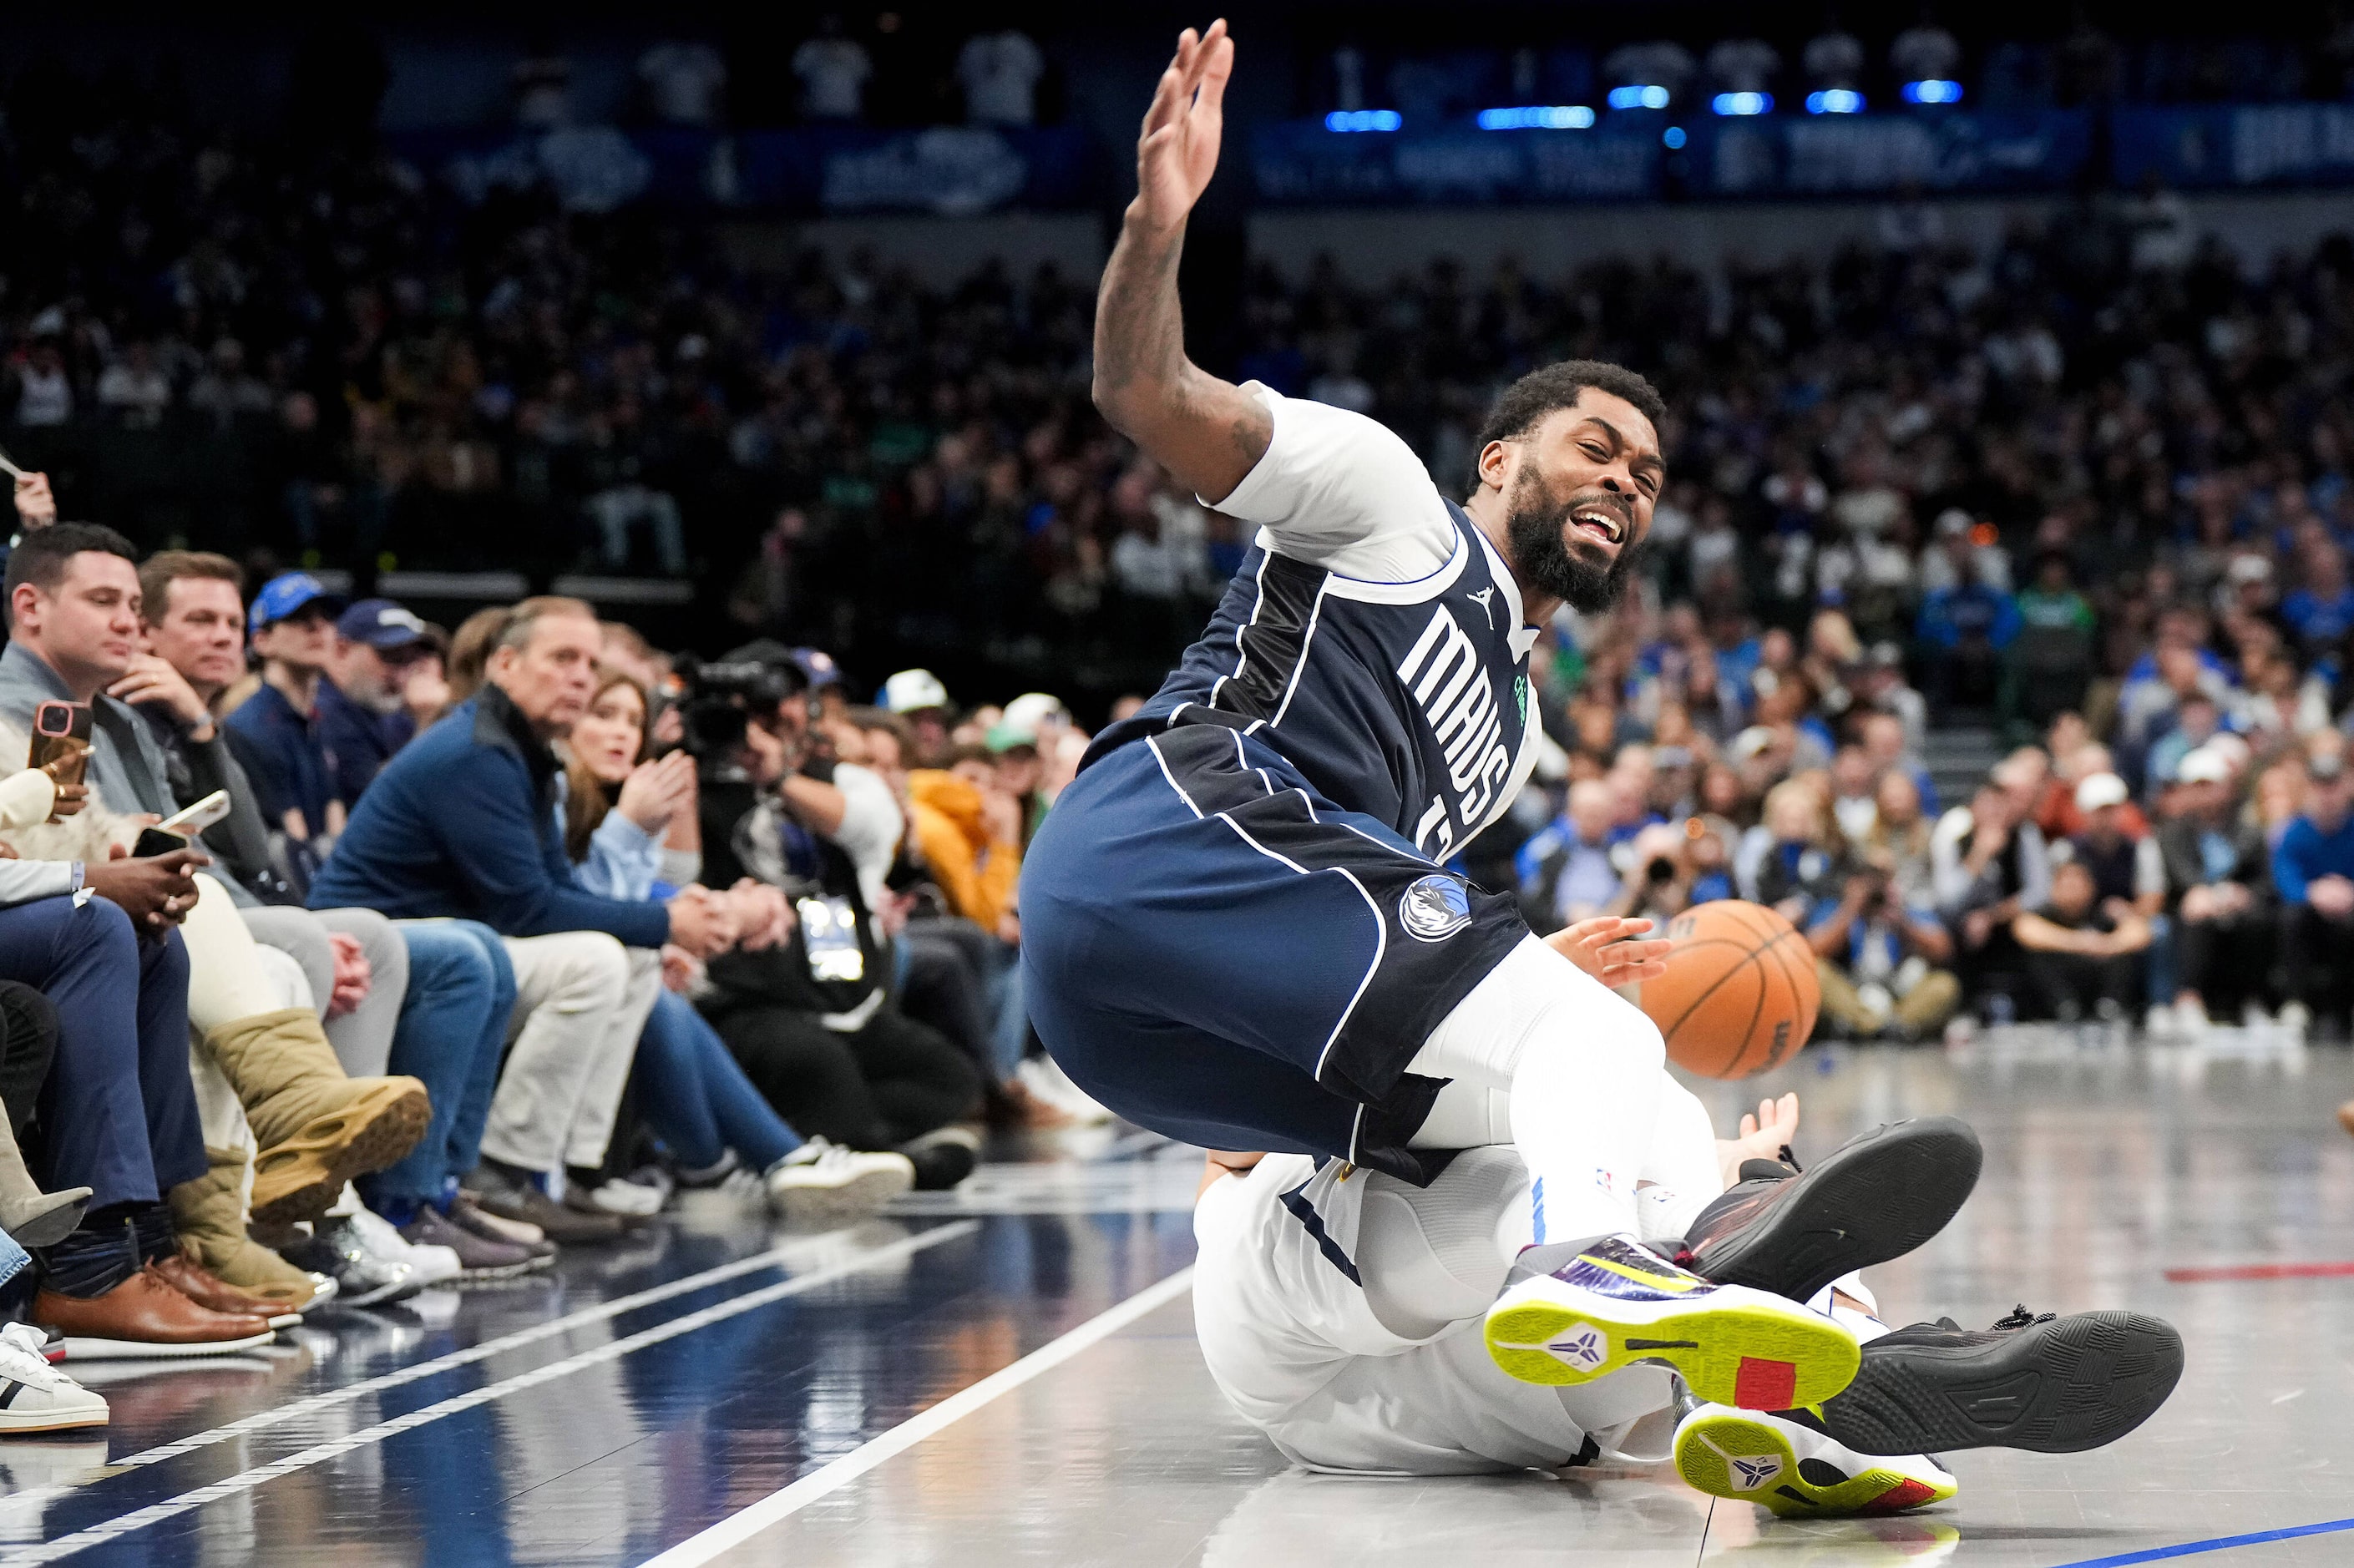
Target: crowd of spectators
(342, 956)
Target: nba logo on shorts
(1434, 908)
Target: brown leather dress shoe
(210, 1291)
(144, 1318)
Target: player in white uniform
(1339, 1308)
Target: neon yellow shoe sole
(1731, 1346)
(1728, 1455)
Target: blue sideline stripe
(1305, 1212)
(2220, 1543)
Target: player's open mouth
(1599, 524)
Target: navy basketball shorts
(1218, 953)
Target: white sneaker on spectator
(630, 1199)
(1047, 1080)
(822, 1183)
(427, 1265)
(2190, 1020)
(38, 1396)
(2295, 1017)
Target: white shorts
(1292, 1341)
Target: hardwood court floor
(621, 1407)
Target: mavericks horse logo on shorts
(1434, 908)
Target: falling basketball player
(1238, 929)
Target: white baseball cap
(912, 690)
(2201, 766)
(1035, 713)
(2099, 789)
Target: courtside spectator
(2313, 875)
(2124, 864)
(293, 628)
(2218, 896)
(425, 999)
(1565, 870)
(463, 822)
(2085, 957)
(1881, 956)
(74, 611)
(385, 684)
(689, 1090)
(813, 1022)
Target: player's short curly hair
(1525, 402)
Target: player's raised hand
(1607, 948)
(1762, 1135)
(1178, 150)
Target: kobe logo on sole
(1587, 1347)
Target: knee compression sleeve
(1436, 1255)
(1680, 1174)
(1577, 1070)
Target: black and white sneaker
(822, 1183)
(2048, 1384)
(942, 1157)
(1874, 1198)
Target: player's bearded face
(1553, 554)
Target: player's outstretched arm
(1206, 433)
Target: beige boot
(209, 1214)
(317, 1127)
(34, 1218)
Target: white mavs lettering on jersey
(1405, 701)
(1449, 681)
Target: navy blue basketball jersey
(1409, 701)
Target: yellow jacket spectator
(969, 836)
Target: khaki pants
(581, 1000)
(1921, 1012)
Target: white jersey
(1292, 1341)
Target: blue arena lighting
(1835, 100)
(1364, 120)
(1673, 136)
(1538, 117)
(1739, 103)
(1634, 95)
(1932, 90)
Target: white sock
(1576, 1071)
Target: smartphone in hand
(60, 742)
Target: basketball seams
(1690, 1007)
(1753, 933)
(1796, 980)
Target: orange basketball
(1739, 995)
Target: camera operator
(1672, 866)
(1880, 961)
(811, 1019)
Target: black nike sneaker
(1876, 1197)
(2049, 1384)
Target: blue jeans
(695, 1096)
(119, 1112)
(452, 1030)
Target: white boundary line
(318, 1454)
(831, 1477)
(775, 1258)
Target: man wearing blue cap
(292, 623)
(384, 686)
